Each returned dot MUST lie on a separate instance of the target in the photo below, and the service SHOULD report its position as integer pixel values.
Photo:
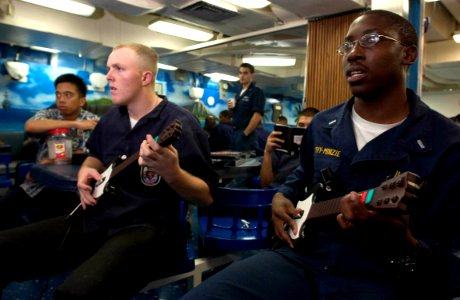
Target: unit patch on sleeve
(149, 177)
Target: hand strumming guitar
(88, 174)
(282, 212)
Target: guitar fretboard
(324, 209)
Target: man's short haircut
(249, 66)
(404, 29)
(148, 56)
(76, 80)
(309, 112)
(225, 114)
(282, 119)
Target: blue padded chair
(22, 169)
(237, 220)
(5, 179)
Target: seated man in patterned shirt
(31, 201)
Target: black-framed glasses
(366, 41)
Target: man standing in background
(248, 109)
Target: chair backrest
(237, 220)
(22, 169)
(5, 176)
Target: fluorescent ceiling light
(272, 100)
(219, 76)
(167, 67)
(250, 3)
(456, 36)
(68, 6)
(44, 49)
(270, 61)
(222, 4)
(181, 31)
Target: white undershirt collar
(366, 131)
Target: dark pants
(17, 208)
(104, 267)
(285, 274)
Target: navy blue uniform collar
(251, 86)
(407, 138)
(153, 114)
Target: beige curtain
(325, 82)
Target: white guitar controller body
(305, 206)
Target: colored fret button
(369, 196)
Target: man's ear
(409, 55)
(147, 77)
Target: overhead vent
(208, 12)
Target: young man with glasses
(32, 201)
(382, 131)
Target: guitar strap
(326, 188)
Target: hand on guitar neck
(393, 196)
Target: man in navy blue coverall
(118, 242)
(247, 111)
(383, 130)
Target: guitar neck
(393, 194)
(166, 138)
(124, 164)
(324, 208)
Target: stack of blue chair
(237, 220)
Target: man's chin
(118, 101)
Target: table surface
(61, 177)
(5, 148)
(64, 176)
(248, 168)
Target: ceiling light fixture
(222, 4)
(181, 31)
(220, 76)
(456, 36)
(68, 6)
(44, 49)
(250, 4)
(167, 67)
(270, 61)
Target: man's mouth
(355, 75)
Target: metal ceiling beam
(235, 38)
